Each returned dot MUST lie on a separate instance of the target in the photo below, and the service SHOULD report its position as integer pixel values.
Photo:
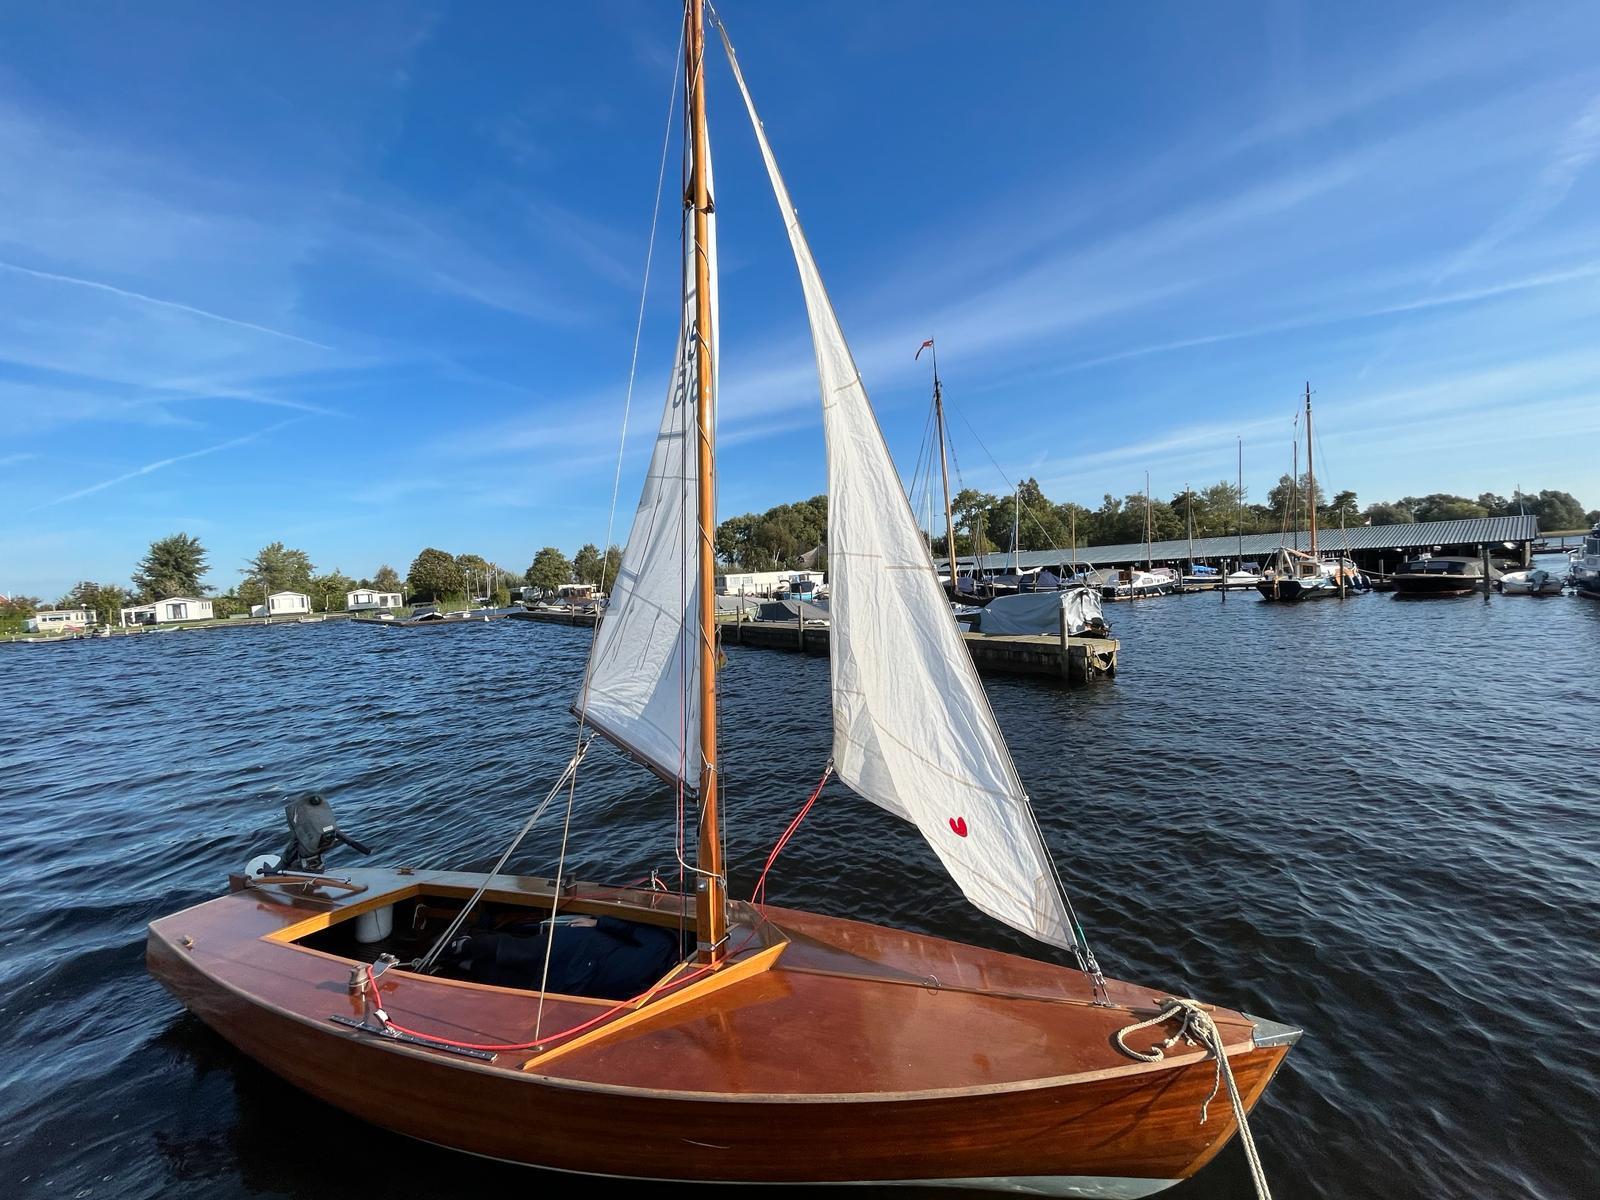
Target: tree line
(788, 536)
(792, 536)
(177, 565)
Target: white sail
(642, 690)
(912, 729)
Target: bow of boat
(913, 1059)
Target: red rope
(758, 894)
(509, 1046)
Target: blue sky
(363, 278)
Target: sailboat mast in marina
(944, 466)
(655, 1032)
(1311, 475)
(1294, 574)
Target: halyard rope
(570, 771)
(1195, 1018)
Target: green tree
(586, 563)
(774, 539)
(476, 574)
(1343, 505)
(107, 600)
(15, 611)
(226, 605)
(173, 566)
(611, 565)
(549, 570)
(1289, 498)
(1557, 510)
(1498, 506)
(387, 579)
(435, 576)
(330, 590)
(1442, 506)
(1388, 514)
(276, 568)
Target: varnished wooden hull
(836, 1064)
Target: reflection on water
(1367, 818)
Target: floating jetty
(1078, 659)
(586, 619)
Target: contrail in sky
(149, 468)
(156, 300)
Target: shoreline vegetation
(786, 537)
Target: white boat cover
(912, 729)
(641, 690)
(1040, 612)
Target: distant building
(770, 583)
(366, 599)
(60, 618)
(283, 604)
(173, 608)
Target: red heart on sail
(958, 826)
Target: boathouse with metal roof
(1371, 546)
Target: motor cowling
(313, 831)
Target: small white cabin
(365, 599)
(50, 619)
(575, 593)
(769, 583)
(173, 608)
(283, 604)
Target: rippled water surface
(1370, 818)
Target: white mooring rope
(1196, 1019)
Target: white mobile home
(283, 604)
(50, 619)
(769, 583)
(173, 608)
(365, 599)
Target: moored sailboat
(662, 1032)
(1293, 574)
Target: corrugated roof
(1477, 531)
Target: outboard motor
(312, 833)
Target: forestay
(912, 728)
(641, 690)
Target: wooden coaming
(859, 1053)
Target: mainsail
(641, 690)
(912, 729)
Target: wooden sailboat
(671, 1033)
(1293, 574)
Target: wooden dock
(1080, 660)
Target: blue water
(1372, 818)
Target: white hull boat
(1537, 582)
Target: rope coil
(1194, 1026)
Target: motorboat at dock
(1444, 576)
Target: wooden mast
(711, 918)
(944, 472)
(1311, 475)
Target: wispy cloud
(1577, 148)
(174, 305)
(11, 460)
(162, 464)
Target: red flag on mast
(920, 349)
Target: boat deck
(908, 1057)
(1034, 1019)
